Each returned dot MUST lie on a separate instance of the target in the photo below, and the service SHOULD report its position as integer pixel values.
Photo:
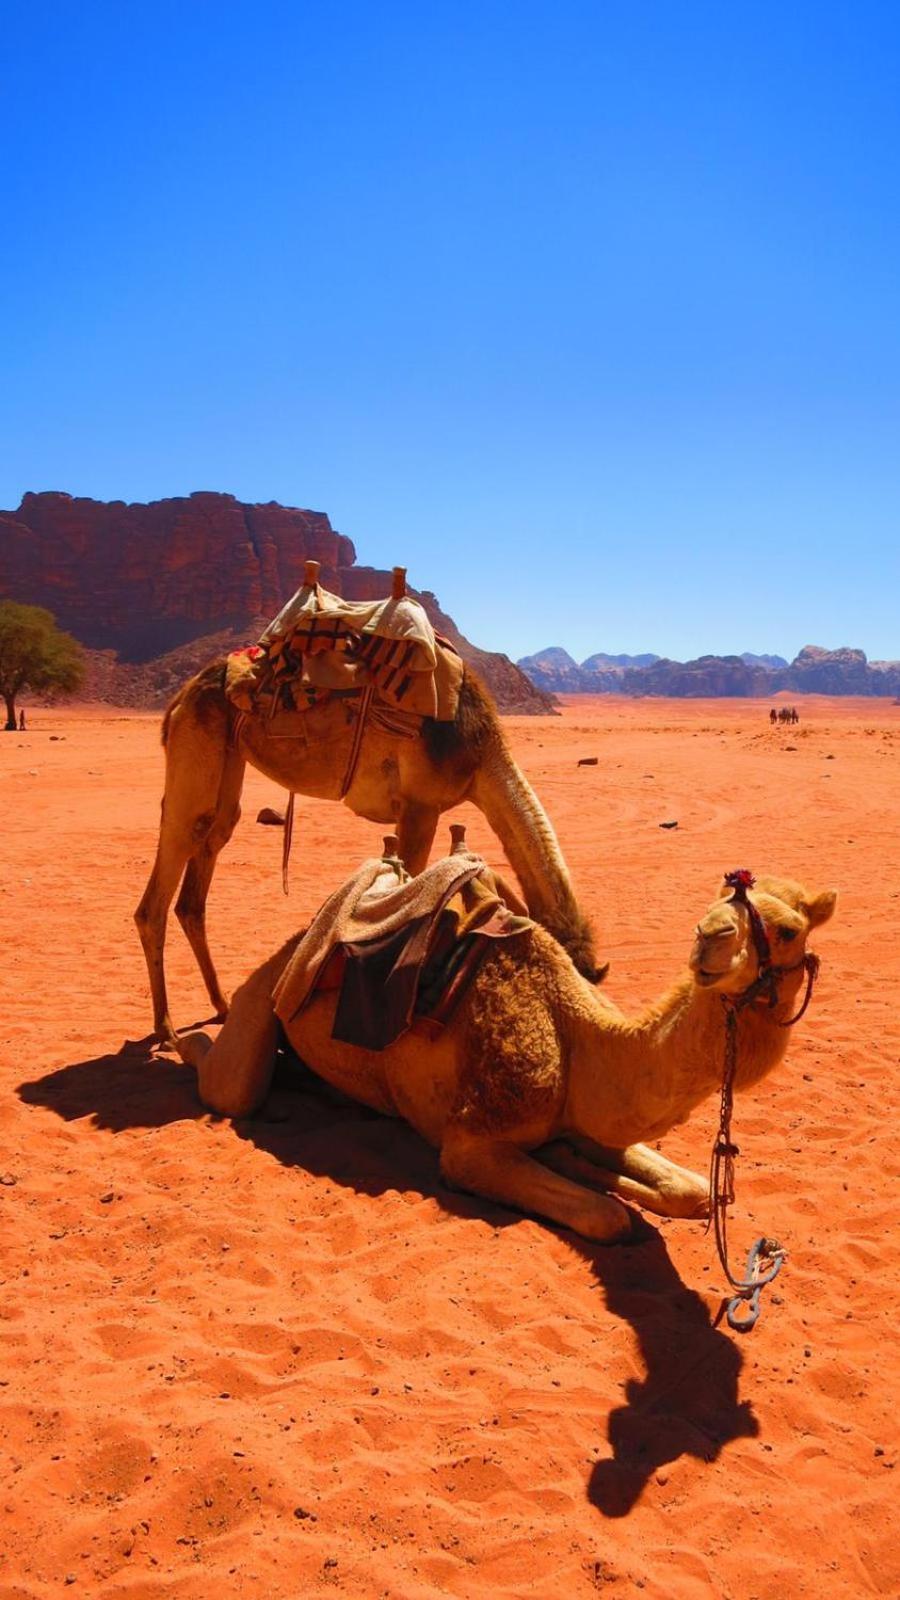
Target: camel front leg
(499, 1170)
(637, 1173)
(190, 907)
(416, 827)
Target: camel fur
(407, 782)
(540, 1093)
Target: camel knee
(460, 1168)
(190, 915)
(212, 831)
(147, 921)
(201, 827)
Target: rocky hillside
(813, 671)
(555, 671)
(156, 590)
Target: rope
(358, 731)
(744, 1306)
(286, 841)
(766, 1256)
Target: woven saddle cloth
(321, 646)
(397, 948)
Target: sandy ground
(277, 1358)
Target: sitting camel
(539, 1092)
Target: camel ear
(821, 908)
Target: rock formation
(156, 590)
(818, 671)
(555, 671)
(813, 671)
(706, 677)
(762, 661)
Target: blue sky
(592, 309)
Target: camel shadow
(686, 1404)
(128, 1088)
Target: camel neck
(643, 1075)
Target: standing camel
(400, 780)
(539, 1092)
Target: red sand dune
(278, 1359)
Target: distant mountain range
(813, 671)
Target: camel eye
(787, 934)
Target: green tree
(35, 654)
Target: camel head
(725, 955)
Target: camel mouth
(706, 976)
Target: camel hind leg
(190, 907)
(196, 759)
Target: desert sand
(278, 1358)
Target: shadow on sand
(687, 1404)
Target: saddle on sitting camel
(398, 948)
(383, 654)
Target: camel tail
(501, 790)
(204, 693)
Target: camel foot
(164, 1038)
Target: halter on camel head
(769, 975)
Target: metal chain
(744, 1307)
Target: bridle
(765, 984)
(743, 1308)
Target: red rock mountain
(159, 588)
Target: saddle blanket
(397, 948)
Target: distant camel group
(785, 714)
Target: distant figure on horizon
(22, 722)
(773, 716)
(795, 715)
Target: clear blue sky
(592, 307)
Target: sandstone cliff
(155, 590)
(707, 676)
(818, 671)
